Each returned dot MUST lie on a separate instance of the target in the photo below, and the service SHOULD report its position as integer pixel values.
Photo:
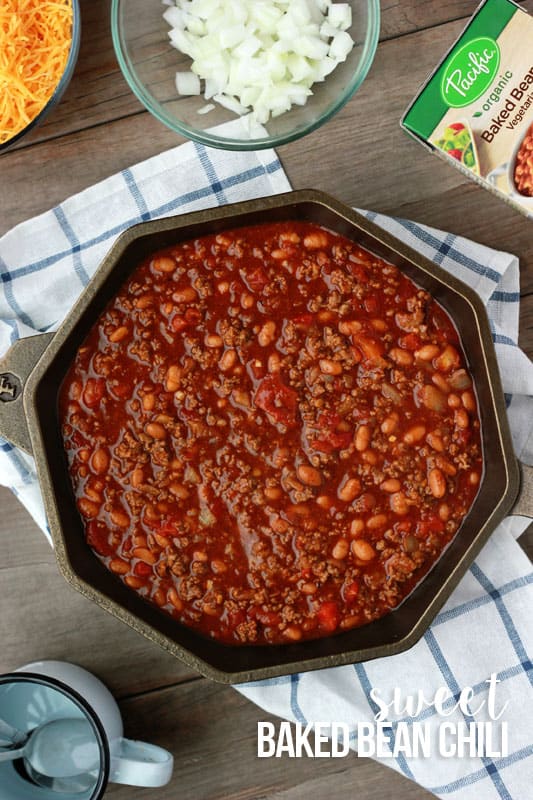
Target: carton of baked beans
(476, 109)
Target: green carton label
(477, 108)
(470, 72)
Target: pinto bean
(349, 489)
(437, 482)
(363, 550)
(309, 475)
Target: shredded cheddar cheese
(35, 39)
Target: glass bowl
(63, 82)
(149, 64)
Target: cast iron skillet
(32, 372)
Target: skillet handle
(523, 506)
(15, 368)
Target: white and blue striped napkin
(485, 627)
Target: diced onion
(257, 58)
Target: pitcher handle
(141, 764)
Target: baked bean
(274, 362)
(330, 367)
(414, 434)
(134, 582)
(349, 489)
(377, 521)
(399, 504)
(461, 418)
(349, 327)
(362, 438)
(427, 353)
(267, 334)
(100, 461)
(145, 301)
(174, 599)
(178, 490)
(156, 430)
(390, 423)
(454, 401)
(88, 508)
(440, 382)
(315, 241)
(293, 633)
(118, 334)
(273, 492)
(435, 441)
(460, 380)
(119, 518)
(159, 597)
(227, 360)
(357, 526)
(247, 301)
(148, 402)
(444, 512)
(370, 457)
(402, 357)
(432, 398)
(173, 379)
(164, 264)
(469, 402)
(144, 554)
(119, 566)
(449, 359)
(214, 340)
(437, 482)
(185, 295)
(325, 501)
(309, 475)
(446, 466)
(474, 478)
(391, 485)
(363, 550)
(340, 549)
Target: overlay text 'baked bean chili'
(271, 433)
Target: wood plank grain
(212, 732)
(98, 92)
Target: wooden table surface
(363, 158)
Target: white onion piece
(187, 83)
(206, 109)
(258, 55)
(340, 16)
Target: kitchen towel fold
(484, 629)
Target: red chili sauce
(271, 433)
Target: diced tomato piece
(193, 316)
(455, 153)
(350, 592)
(328, 616)
(332, 441)
(456, 126)
(142, 570)
(411, 341)
(97, 534)
(431, 524)
(279, 401)
(303, 320)
(93, 392)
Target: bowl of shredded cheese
(39, 43)
(284, 67)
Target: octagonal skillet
(32, 372)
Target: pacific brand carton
(476, 109)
